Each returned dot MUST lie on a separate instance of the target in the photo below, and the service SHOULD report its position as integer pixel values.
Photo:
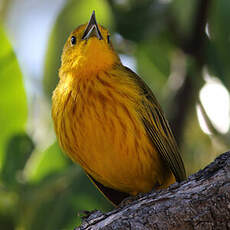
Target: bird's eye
(108, 38)
(73, 40)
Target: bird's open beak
(92, 29)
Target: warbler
(108, 120)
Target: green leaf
(13, 105)
(18, 152)
(136, 20)
(51, 161)
(184, 16)
(65, 194)
(219, 46)
(153, 58)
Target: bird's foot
(84, 214)
(128, 200)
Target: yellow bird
(108, 120)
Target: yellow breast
(98, 126)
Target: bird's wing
(114, 196)
(158, 129)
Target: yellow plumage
(107, 119)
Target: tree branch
(201, 202)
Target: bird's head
(88, 50)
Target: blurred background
(180, 48)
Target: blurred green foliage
(43, 189)
(219, 47)
(13, 105)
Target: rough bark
(201, 202)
